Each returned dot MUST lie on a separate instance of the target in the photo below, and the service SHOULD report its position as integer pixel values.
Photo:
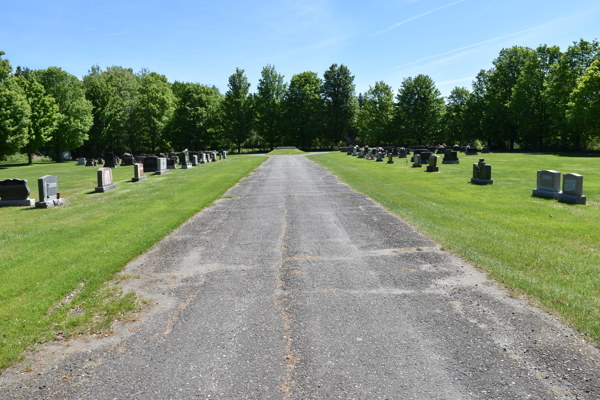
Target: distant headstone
(225, 153)
(90, 163)
(138, 172)
(379, 155)
(171, 163)
(361, 154)
(128, 160)
(194, 160)
(184, 160)
(81, 161)
(100, 161)
(15, 193)
(105, 182)
(415, 152)
(335, 148)
(425, 156)
(354, 151)
(432, 164)
(401, 152)
(547, 184)
(485, 150)
(390, 157)
(111, 161)
(202, 158)
(417, 161)
(213, 156)
(349, 151)
(450, 157)
(572, 192)
(49, 192)
(440, 150)
(471, 151)
(482, 173)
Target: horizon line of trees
(534, 99)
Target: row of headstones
(185, 159)
(16, 192)
(548, 181)
(395, 151)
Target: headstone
(213, 156)
(15, 193)
(463, 149)
(194, 160)
(415, 152)
(184, 160)
(128, 160)
(171, 163)
(362, 153)
(456, 148)
(49, 192)
(417, 161)
(90, 163)
(572, 192)
(140, 159)
(401, 152)
(425, 156)
(335, 148)
(220, 155)
(202, 159)
(379, 155)
(547, 184)
(482, 173)
(111, 161)
(81, 161)
(441, 150)
(432, 164)
(450, 157)
(390, 157)
(100, 161)
(105, 182)
(485, 150)
(225, 153)
(369, 153)
(354, 151)
(138, 172)
(471, 151)
(349, 151)
(64, 156)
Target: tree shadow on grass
(7, 166)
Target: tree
(113, 94)
(268, 106)
(376, 116)
(454, 119)
(339, 96)
(14, 112)
(584, 105)
(75, 112)
(418, 109)
(237, 109)
(194, 123)
(44, 115)
(154, 108)
(304, 109)
(562, 80)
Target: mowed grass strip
(48, 254)
(547, 250)
(285, 152)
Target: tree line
(534, 99)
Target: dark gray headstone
(416, 161)
(49, 192)
(110, 161)
(482, 173)
(432, 164)
(15, 193)
(547, 184)
(572, 192)
(184, 160)
(450, 157)
(90, 163)
(425, 156)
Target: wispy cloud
(485, 9)
(490, 40)
(454, 81)
(415, 17)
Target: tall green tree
(154, 108)
(419, 106)
(338, 91)
(237, 110)
(268, 106)
(562, 80)
(113, 94)
(44, 115)
(75, 117)
(15, 111)
(196, 117)
(584, 105)
(454, 121)
(376, 116)
(304, 109)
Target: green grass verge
(544, 249)
(285, 152)
(48, 254)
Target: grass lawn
(285, 152)
(541, 248)
(47, 254)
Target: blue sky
(204, 41)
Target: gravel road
(293, 286)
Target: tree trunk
(30, 157)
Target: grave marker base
(141, 178)
(572, 199)
(432, 169)
(477, 181)
(161, 172)
(186, 166)
(171, 167)
(50, 203)
(450, 162)
(102, 189)
(17, 203)
(545, 194)
(390, 162)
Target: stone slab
(477, 181)
(137, 179)
(50, 203)
(450, 162)
(571, 199)
(102, 189)
(432, 169)
(545, 194)
(17, 203)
